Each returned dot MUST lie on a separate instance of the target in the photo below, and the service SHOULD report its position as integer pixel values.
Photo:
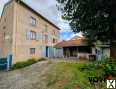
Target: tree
(95, 18)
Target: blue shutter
(43, 52)
(28, 35)
(39, 36)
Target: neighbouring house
(101, 50)
(77, 47)
(74, 47)
(25, 33)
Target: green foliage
(92, 17)
(105, 66)
(23, 64)
(67, 76)
(42, 59)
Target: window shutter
(27, 35)
(39, 36)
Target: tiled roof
(69, 43)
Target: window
(54, 40)
(6, 36)
(33, 21)
(4, 27)
(31, 35)
(32, 51)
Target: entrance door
(46, 51)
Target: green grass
(67, 76)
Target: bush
(19, 65)
(106, 66)
(42, 59)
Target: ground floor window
(32, 51)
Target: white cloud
(73, 35)
(2, 2)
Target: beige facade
(17, 21)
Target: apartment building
(25, 33)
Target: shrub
(107, 67)
(23, 64)
(42, 59)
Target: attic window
(33, 21)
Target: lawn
(65, 75)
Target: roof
(70, 43)
(34, 11)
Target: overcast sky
(49, 10)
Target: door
(46, 51)
(43, 52)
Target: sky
(48, 9)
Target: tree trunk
(113, 43)
(113, 51)
(113, 32)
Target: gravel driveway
(32, 77)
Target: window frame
(33, 21)
(31, 35)
(32, 51)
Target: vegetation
(65, 75)
(106, 67)
(42, 59)
(23, 64)
(95, 18)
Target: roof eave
(27, 6)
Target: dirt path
(32, 77)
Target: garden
(61, 74)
